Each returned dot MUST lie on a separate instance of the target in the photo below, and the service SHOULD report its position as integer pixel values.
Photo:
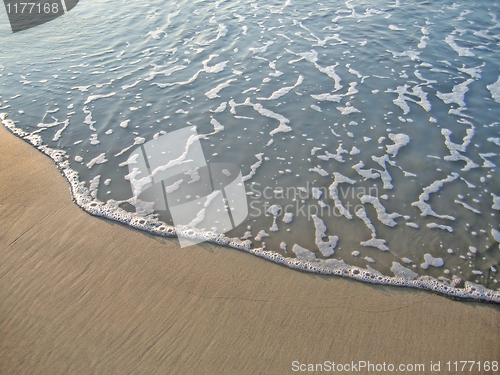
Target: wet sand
(83, 295)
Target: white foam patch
(272, 65)
(314, 149)
(175, 186)
(100, 159)
(132, 159)
(396, 28)
(221, 32)
(373, 242)
(129, 86)
(400, 271)
(287, 217)
(274, 210)
(261, 235)
(487, 163)
(473, 72)
(423, 40)
(340, 179)
(221, 108)
(58, 133)
(462, 51)
(214, 93)
(94, 185)
(319, 42)
(88, 119)
(348, 109)
(316, 192)
(338, 156)
(137, 141)
(193, 174)
(468, 207)
(217, 68)
(327, 248)
(354, 151)
(319, 171)
(440, 226)
(356, 73)
(254, 167)
(328, 97)
(495, 234)
(303, 253)
(399, 140)
(283, 121)
(457, 94)
(403, 97)
(428, 82)
(494, 89)
(382, 215)
(455, 148)
(283, 91)
(124, 124)
(218, 127)
(261, 49)
(200, 216)
(424, 207)
(413, 55)
(92, 98)
(496, 202)
(312, 57)
(494, 140)
(429, 260)
(93, 140)
(384, 174)
(366, 173)
(166, 72)
(178, 161)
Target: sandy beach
(83, 295)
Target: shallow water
(387, 109)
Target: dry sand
(83, 295)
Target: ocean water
(367, 132)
